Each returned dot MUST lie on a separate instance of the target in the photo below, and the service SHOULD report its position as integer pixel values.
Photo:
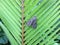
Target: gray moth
(32, 22)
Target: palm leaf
(47, 12)
(11, 19)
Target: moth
(32, 22)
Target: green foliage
(48, 21)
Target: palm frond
(47, 12)
(11, 14)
